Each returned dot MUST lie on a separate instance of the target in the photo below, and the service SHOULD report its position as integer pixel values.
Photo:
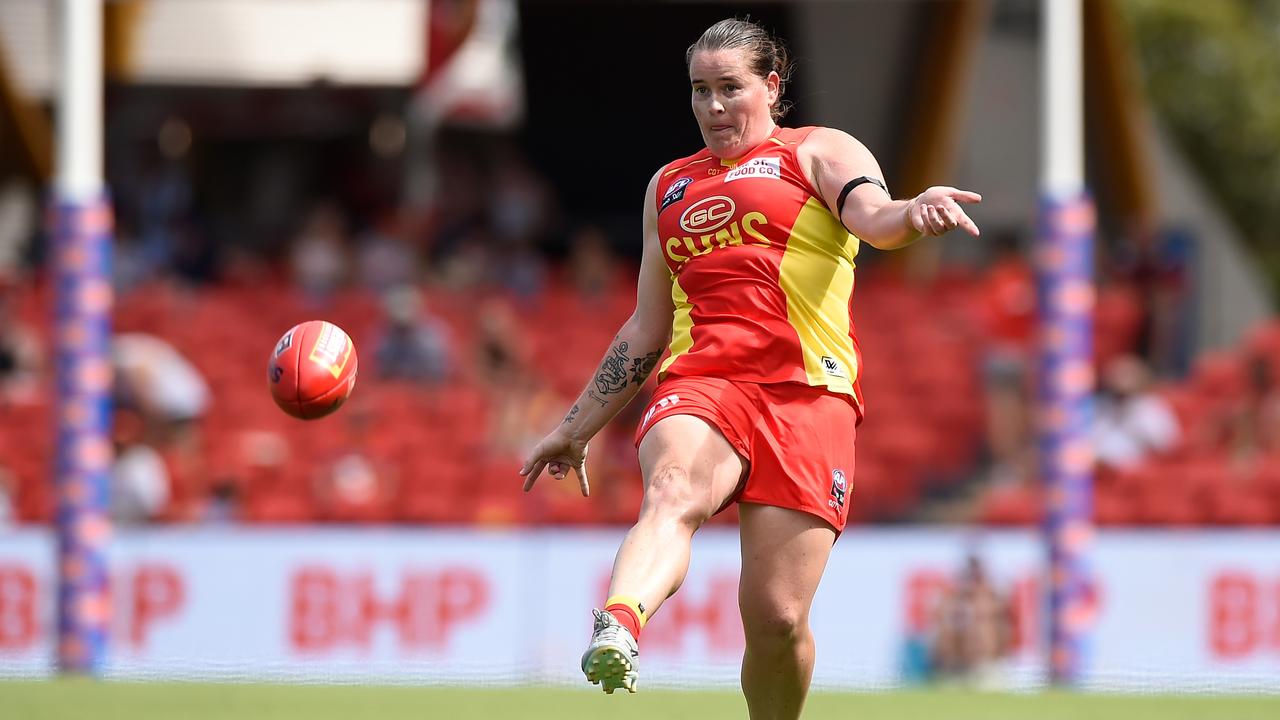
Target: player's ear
(774, 85)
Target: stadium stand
(1224, 472)
(433, 444)
(431, 452)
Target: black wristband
(849, 186)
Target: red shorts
(798, 439)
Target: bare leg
(784, 553)
(689, 471)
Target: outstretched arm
(630, 359)
(833, 158)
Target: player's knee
(774, 623)
(670, 495)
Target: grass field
(75, 699)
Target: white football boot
(612, 660)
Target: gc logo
(707, 215)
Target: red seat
(1012, 505)
(882, 488)
(1115, 507)
(617, 497)
(1264, 340)
(35, 496)
(1204, 473)
(1172, 505)
(1241, 506)
(426, 506)
(1219, 376)
(570, 510)
(277, 509)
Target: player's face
(730, 102)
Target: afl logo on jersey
(707, 215)
(675, 193)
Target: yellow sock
(628, 611)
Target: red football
(312, 369)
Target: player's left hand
(937, 211)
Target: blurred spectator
(1117, 321)
(196, 256)
(164, 209)
(1154, 265)
(243, 267)
(129, 264)
(274, 192)
(19, 213)
(1173, 333)
(500, 343)
(520, 216)
(466, 267)
(319, 256)
(1256, 427)
(8, 487)
(1009, 311)
(170, 397)
(155, 380)
(522, 404)
(972, 629)
(140, 484)
(458, 210)
(522, 270)
(521, 203)
(592, 267)
(261, 479)
(415, 345)
(386, 258)
(1130, 422)
(351, 485)
(20, 354)
(519, 399)
(222, 505)
(351, 481)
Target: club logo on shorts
(839, 488)
(675, 193)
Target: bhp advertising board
(1168, 609)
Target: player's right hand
(558, 453)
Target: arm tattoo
(612, 377)
(642, 366)
(591, 394)
(572, 414)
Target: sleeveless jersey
(761, 271)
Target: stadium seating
(433, 443)
(1214, 477)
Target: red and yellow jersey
(761, 270)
